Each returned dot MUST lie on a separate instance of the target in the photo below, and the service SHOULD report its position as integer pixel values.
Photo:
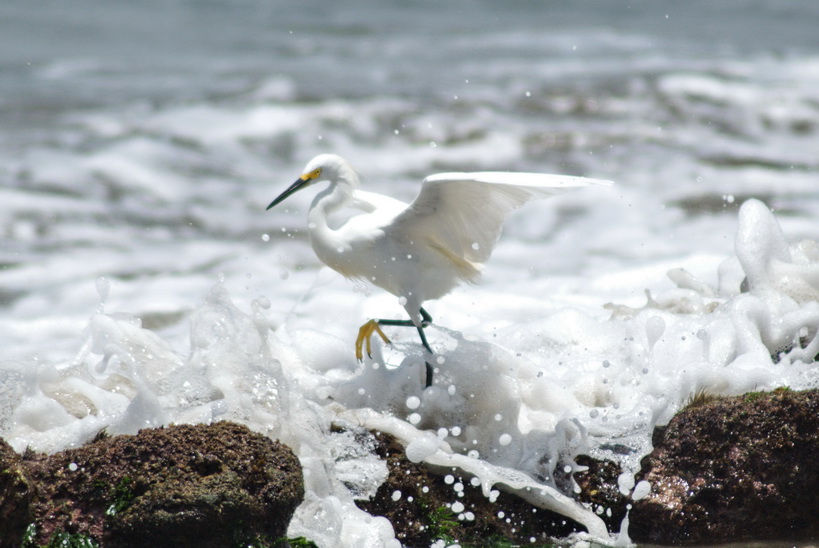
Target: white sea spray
(582, 384)
(151, 177)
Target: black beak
(295, 187)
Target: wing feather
(462, 214)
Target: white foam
(531, 368)
(575, 381)
(501, 412)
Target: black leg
(426, 320)
(429, 374)
(424, 340)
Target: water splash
(577, 384)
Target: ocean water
(142, 282)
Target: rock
(203, 485)
(15, 496)
(424, 507)
(600, 491)
(734, 469)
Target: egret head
(324, 167)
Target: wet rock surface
(600, 492)
(424, 507)
(15, 495)
(725, 470)
(734, 469)
(203, 485)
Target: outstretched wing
(462, 214)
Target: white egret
(416, 251)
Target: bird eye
(315, 173)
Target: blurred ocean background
(141, 141)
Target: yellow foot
(365, 332)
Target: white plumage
(422, 250)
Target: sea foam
(509, 412)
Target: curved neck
(327, 242)
(329, 200)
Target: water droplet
(73, 466)
(457, 507)
(655, 326)
(449, 479)
(396, 495)
(414, 418)
(476, 246)
(456, 430)
(402, 301)
(413, 402)
(265, 237)
(641, 490)
(505, 439)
